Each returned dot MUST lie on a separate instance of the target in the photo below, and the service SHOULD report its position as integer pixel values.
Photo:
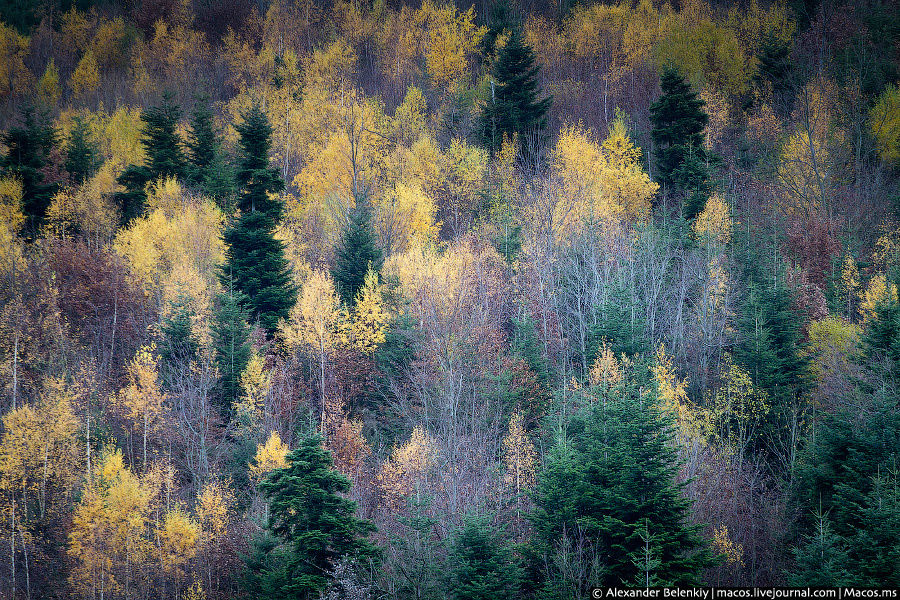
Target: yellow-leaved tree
(368, 325)
(215, 517)
(142, 401)
(317, 321)
(269, 456)
(884, 123)
(86, 77)
(878, 292)
(406, 468)
(519, 456)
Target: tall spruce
(514, 105)
(208, 168)
(82, 157)
(678, 123)
(481, 564)
(231, 342)
(164, 157)
(354, 255)
(315, 522)
(254, 260)
(609, 485)
(28, 147)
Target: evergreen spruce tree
(678, 123)
(770, 346)
(27, 153)
(356, 252)
(311, 517)
(231, 342)
(821, 560)
(178, 345)
(481, 565)
(254, 259)
(165, 157)
(202, 142)
(514, 106)
(610, 482)
(82, 158)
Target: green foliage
(28, 149)
(480, 565)
(849, 473)
(82, 159)
(608, 480)
(514, 106)
(254, 260)
(133, 199)
(312, 518)
(231, 342)
(354, 255)
(678, 124)
(821, 559)
(178, 345)
(207, 166)
(165, 156)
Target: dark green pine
(231, 342)
(178, 345)
(354, 255)
(678, 123)
(163, 145)
(514, 106)
(254, 260)
(611, 480)
(481, 565)
(82, 158)
(28, 148)
(202, 142)
(310, 515)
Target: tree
(161, 141)
(207, 166)
(254, 259)
(231, 341)
(355, 255)
(678, 123)
(82, 159)
(317, 525)
(608, 481)
(481, 566)
(28, 153)
(514, 107)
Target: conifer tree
(311, 517)
(481, 566)
(28, 148)
(514, 106)
(610, 481)
(82, 159)
(165, 157)
(678, 123)
(231, 341)
(354, 256)
(254, 259)
(207, 167)
(178, 346)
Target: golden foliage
(877, 292)
(738, 408)
(269, 456)
(850, 281)
(714, 223)
(884, 123)
(11, 221)
(368, 325)
(142, 401)
(519, 456)
(48, 90)
(450, 40)
(673, 397)
(406, 467)
(255, 382)
(606, 371)
(14, 75)
(86, 77)
(724, 545)
(832, 340)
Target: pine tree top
(256, 180)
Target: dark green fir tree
(678, 123)
(28, 147)
(315, 523)
(231, 342)
(607, 490)
(481, 565)
(354, 255)
(165, 157)
(515, 105)
(254, 260)
(178, 345)
(82, 158)
(208, 168)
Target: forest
(484, 300)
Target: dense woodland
(363, 299)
